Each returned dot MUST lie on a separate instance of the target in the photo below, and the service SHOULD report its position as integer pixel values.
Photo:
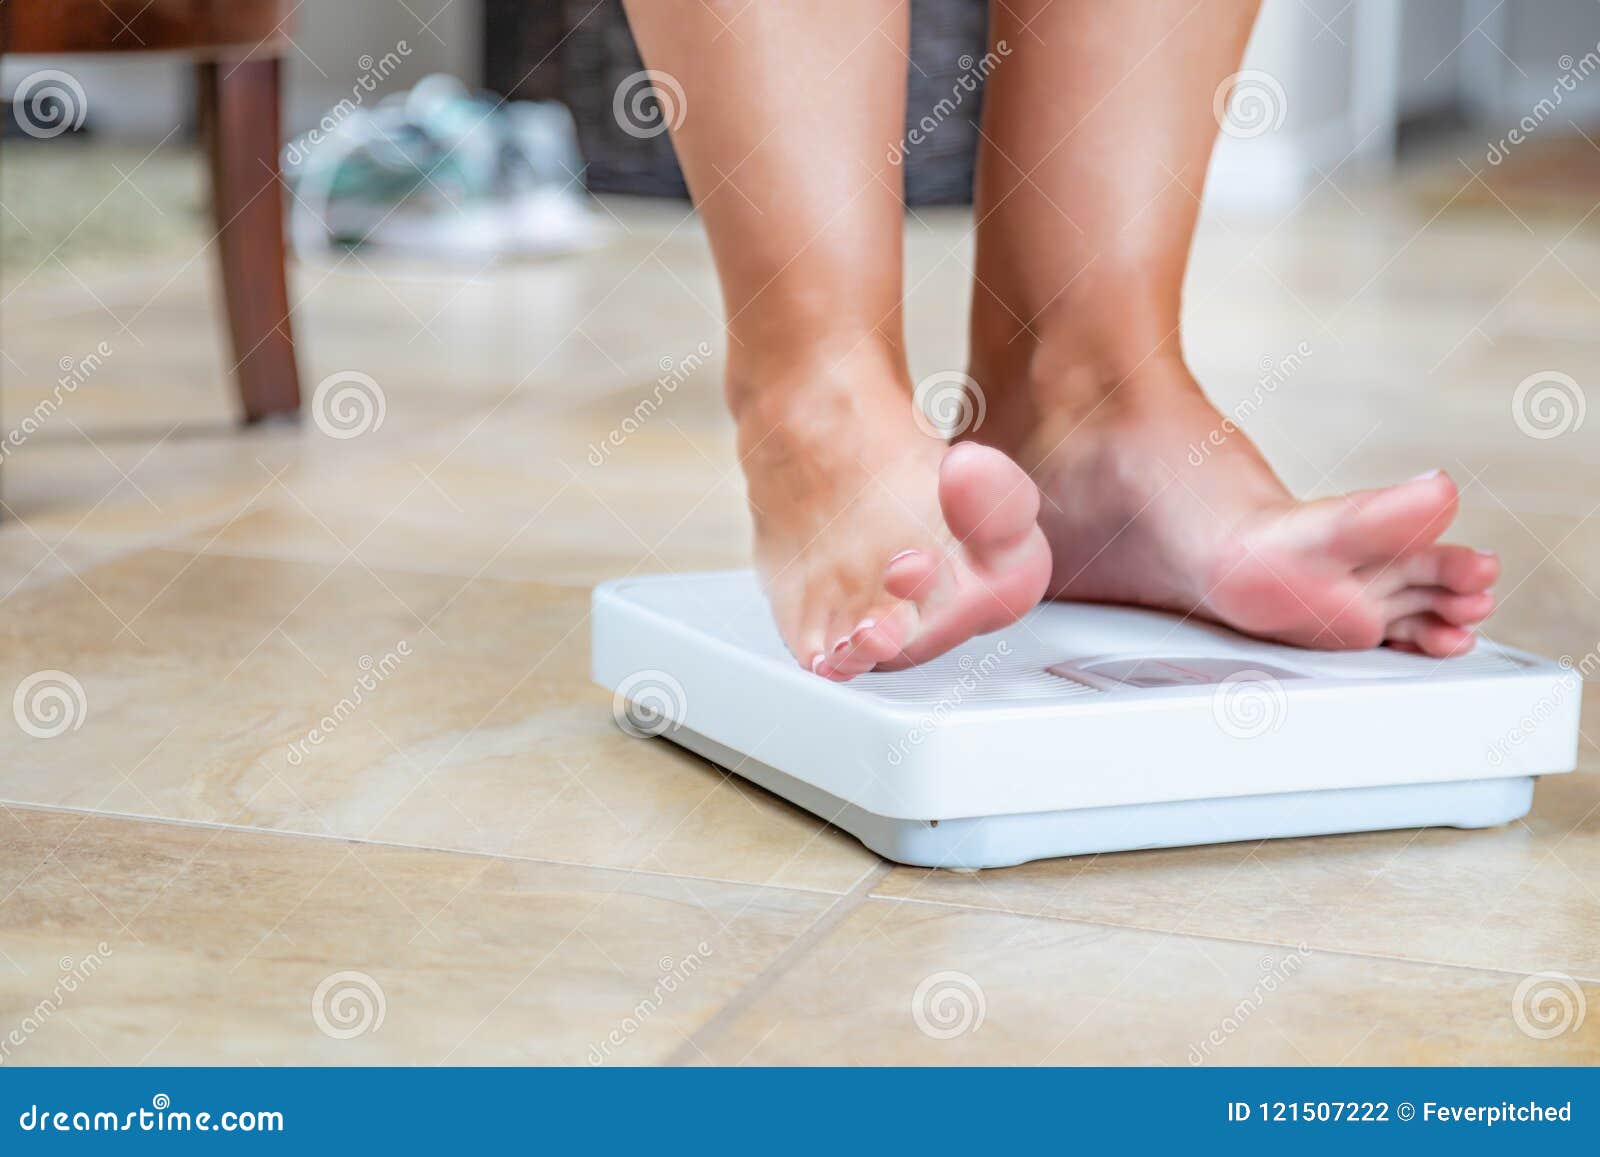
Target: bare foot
(1149, 499)
(879, 546)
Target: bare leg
(878, 544)
(1099, 127)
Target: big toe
(996, 571)
(989, 502)
(1395, 520)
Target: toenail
(901, 555)
(843, 642)
(1488, 554)
(816, 661)
(1434, 473)
(863, 627)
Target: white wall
(1350, 72)
(1307, 48)
(1536, 38)
(141, 96)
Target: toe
(876, 644)
(992, 506)
(910, 573)
(1393, 521)
(1428, 633)
(1464, 610)
(843, 663)
(1458, 609)
(883, 640)
(843, 660)
(989, 503)
(995, 571)
(1460, 568)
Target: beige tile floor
(480, 854)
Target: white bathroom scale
(1086, 728)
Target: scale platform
(1086, 728)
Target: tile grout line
(1314, 950)
(799, 947)
(431, 849)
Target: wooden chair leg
(239, 115)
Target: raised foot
(879, 546)
(992, 572)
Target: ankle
(815, 383)
(1055, 382)
(1080, 353)
(807, 342)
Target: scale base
(1004, 841)
(1085, 728)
